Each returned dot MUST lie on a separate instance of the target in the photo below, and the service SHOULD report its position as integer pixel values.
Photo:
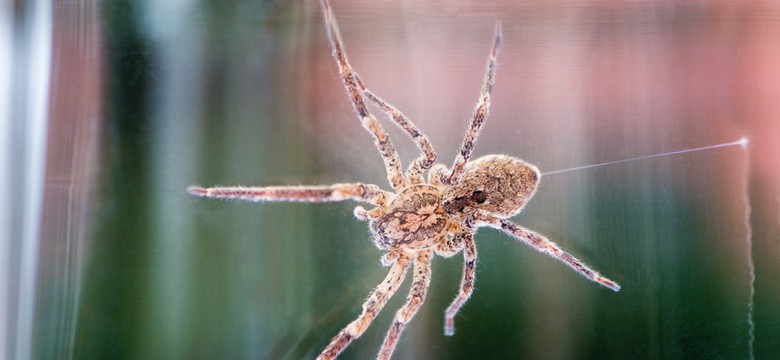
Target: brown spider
(421, 219)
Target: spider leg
(450, 247)
(422, 279)
(544, 245)
(421, 165)
(437, 175)
(381, 137)
(358, 192)
(466, 283)
(375, 302)
(479, 116)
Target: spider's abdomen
(415, 219)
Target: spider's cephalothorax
(420, 219)
(415, 219)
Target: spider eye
(479, 196)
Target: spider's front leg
(421, 165)
(479, 116)
(375, 302)
(370, 123)
(544, 245)
(368, 193)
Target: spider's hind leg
(371, 307)
(544, 245)
(422, 279)
(466, 282)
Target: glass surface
(149, 97)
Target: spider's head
(498, 184)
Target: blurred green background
(149, 97)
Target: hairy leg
(358, 192)
(422, 279)
(438, 174)
(421, 165)
(466, 283)
(544, 245)
(381, 138)
(450, 247)
(375, 302)
(479, 116)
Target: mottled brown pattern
(420, 219)
(415, 219)
(506, 182)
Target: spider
(421, 219)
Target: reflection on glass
(147, 98)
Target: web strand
(743, 142)
(749, 244)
